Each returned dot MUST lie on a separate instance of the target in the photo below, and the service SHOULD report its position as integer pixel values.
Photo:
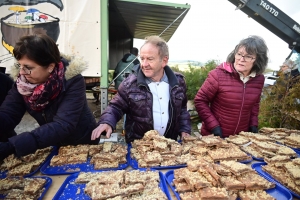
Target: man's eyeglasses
(247, 57)
(25, 69)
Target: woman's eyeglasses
(247, 58)
(25, 69)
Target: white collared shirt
(160, 107)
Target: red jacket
(224, 100)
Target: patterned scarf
(37, 96)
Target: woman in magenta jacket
(228, 100)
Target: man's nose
(144, 62)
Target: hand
(184, 134)
(6, 148)
(217, 131)
(253, 129)
(100, 129)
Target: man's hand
(100, 129)
(184, 134)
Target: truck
(275, 20)
(101, 31)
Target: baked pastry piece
(183, 159)
(237, 139)
(94, 149)
(58, 160)
(107, 146)
(77, 158)
(137, 176)
(190, 139)
(266, 130)
(236, 167)
(8, 183)
(268, 146)
(85, 177)
(262, 138)
(193, 165)
(190, 196)
(181, 173)
(99, 164)
(34, 185)
(20, 194)
(160, 145)
(20, 170)
(277, 160)
(196, 180)
(232, 153)
(211, 140)
(254, 195)
(296, 161)
(153, 157)
(231, 183)
(283, 177)
(196, 150)
(253, 151)
(210, 193)
(221, 170)
(107, 157)
(253, 181)
(286, 151)
(12, 161)
(182, 186)
(292, 141)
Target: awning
(144, 17)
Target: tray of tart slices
(206, 180)
(284, 174)
(138, 184)
(26, 165)
(34, 187)
(85, 158)
(262, 146)
(157, 152)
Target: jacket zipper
(168, 128)
(240, 109)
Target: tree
(280, 105)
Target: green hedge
(195, 76)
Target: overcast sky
(212, 28)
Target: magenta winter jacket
(224, 100)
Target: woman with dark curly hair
(52, 90)
(228, 100)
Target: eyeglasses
(247, 57)
(25, 69)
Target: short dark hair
(40, 48)
(160, 43)
(253, 45)
(134, 51)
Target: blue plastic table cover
(278, 192)
(257, 167)
(71, 190)
(73, 168)
(46, 186)
(3, 174)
